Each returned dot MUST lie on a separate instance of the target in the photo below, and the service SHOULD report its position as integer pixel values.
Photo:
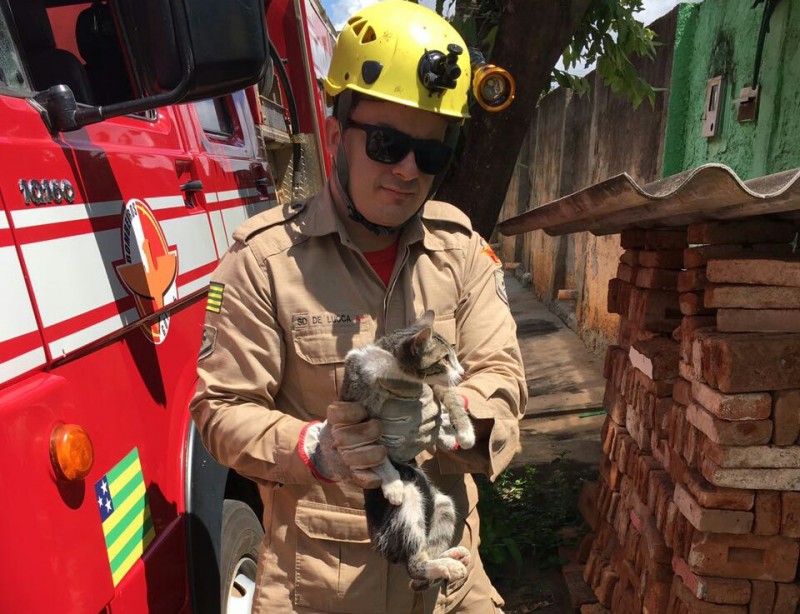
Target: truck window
(74, 44)
(215, 117)
(12, 75)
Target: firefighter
(305, 283)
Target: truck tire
(241, 537)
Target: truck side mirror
(180, 51)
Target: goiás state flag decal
(125, 514)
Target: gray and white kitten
(410, 521)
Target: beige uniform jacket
(296, 296)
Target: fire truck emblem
(149, 268)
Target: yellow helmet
(402, 52)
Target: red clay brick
(716, 521)
(653, 310)
(692, 280)
(767, 512)
(695, 606)
(656, 279)
(751, 230)
(790, 514)
(712, 496)
(786, 416)
(665, 239)
(626, 273)
(618, 297)
(753, 457)
(661, 259)
(632, 238)
(682, 391)
(786, 598)
(694, 257)
(661, 388)
(750, 557)
(757, 271)
(630, 257)
(767, 479)
(758, 320)
(655, 587)
(727, 432)
(637, 429)
(656, 358)
(752, 297)
(763, 597)
(752, 406)
(643, 521)
(749, 362)
(726, 591)
(608, 581)
(692, 304)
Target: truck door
(115, 251)
(243, 185)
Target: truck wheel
(241, 536)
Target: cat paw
(459, 553)
(447, 442)
(467, 439)
(393, 491)
(448, 569)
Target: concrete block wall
(698, 504)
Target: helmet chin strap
(342, 177)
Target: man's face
(387, 194)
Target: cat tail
(398, 532)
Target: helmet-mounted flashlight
(439, 72)
(493, 87)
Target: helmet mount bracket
(438, 71)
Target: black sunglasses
(390, 146)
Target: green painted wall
(719, 37)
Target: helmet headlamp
(493, 87)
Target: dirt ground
(535, 590)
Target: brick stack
(698, 503)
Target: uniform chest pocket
(336, 569)
(320, 362)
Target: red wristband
(301, 450)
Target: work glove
(344, 447)
(410, 419)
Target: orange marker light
(71, 452)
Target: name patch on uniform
(341, 319)
(215, 292)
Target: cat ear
(427, 318)
(420, 339)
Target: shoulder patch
(438, 211)
(267, 219)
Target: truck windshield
(72, 43)
(11, 74)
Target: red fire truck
(135, 136)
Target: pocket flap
(340, 524)
(319, 348)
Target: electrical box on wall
(711, 114)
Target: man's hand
(344, 446)
(410, 419)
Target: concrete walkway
(565, 384)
